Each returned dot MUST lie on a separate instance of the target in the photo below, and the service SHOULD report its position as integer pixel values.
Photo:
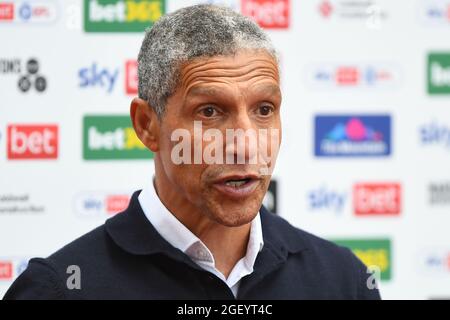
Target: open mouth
(237, 183)
(237, 186)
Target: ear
(145, 123)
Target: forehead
(249, 68)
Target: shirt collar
(132, 232)
(180, 237)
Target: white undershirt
(174, 232)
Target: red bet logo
(5, 270)
(270, 14)
(116, 203)
(131, 77)
(377, 199)
(6, 11)
(32, 142)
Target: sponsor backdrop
(366, 116)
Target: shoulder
(322, 261)
(45, 278)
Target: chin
(234, 214)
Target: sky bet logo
(11, 268)
(32, 142)
(438, 73)
(352, 136)
(95, 76)
(372, 252)
(120, 15)
(111, 137)
(99, 204)
(368, 75)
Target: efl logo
(6, 11)
(270, 14)
(352, 136)
(6, 270)
(32, 141)
(372, 199)
(42, 11)
(131, 77)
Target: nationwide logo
(435, 261)
(434, 133)
(40, 11)
(438, 73)
(439, 193)
(270, 200)
(121, 15)
(374, 199)
(31, 79)
(11, 268)
(32, 141)
(270, 14)
(326, 199)
(369, 12)
(434, 13)
(373, 253)
(376, 75)
(111, 137)
(98, 204)
(352, 136)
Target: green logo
(372, 252)
(439, 73)
(121, 15)
(111, 137)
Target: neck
(227, 244)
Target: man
(198, 231)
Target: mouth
(237, 186)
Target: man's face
(239, 92)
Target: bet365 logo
(121, 15)
(374, 253)
(438, 73)
(111, 137)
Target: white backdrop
(353, 74)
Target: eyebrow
(212, 91)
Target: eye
(209, 112)
(265, 110)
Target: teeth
(235, 183)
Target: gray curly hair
(189, 33)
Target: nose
(241, 139)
